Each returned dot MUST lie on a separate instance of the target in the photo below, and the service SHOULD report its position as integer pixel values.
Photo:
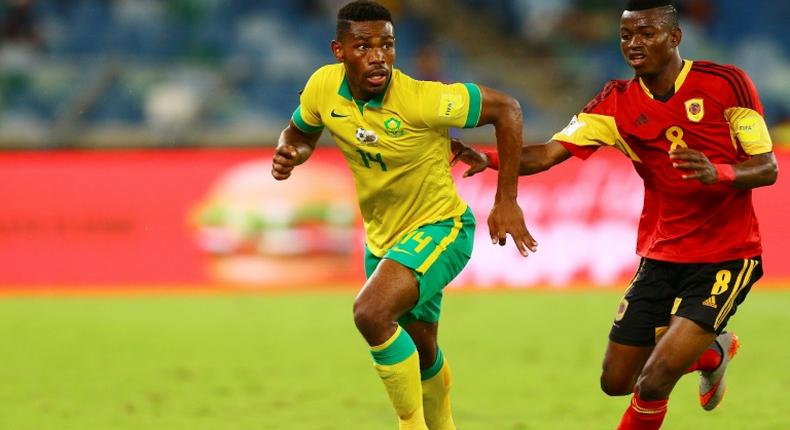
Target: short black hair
(357, 11)
(670, 12)
(647, 4)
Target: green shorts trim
(436, 253)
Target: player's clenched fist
(286, 157)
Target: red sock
(643, 415)
(709, 360)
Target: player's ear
(337, 50)
(675, 36)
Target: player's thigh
(436, 253)
(682, 344)
(389, 292)
(711, 293)
(680, 347)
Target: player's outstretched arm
(504, 113)
(534, 158)
(539, 158)
(294, 147)
(476, 160)
(758, 171)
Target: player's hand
(477, 161)
(286, 157)
(694, 165)
(506, 218)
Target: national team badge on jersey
(392, 127)
(366, 137)
(695, 109)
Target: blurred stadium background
(135, 139)
(132, 73)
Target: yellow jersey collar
(678, 81)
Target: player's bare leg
(681, 346)
(390, 292)
(436, 376)
(678, 349)
(622, 365)
(424, 335)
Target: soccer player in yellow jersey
(393, 132)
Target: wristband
(725, 173)
(493, 159)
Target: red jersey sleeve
(735, 89)
(742, 106)
(595, 126)
(583, 152)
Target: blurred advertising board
(215, 218)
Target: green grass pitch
(521, 361)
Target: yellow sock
(398, 366)
(436, 383)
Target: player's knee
(369, 318)
(362, 314)
(613, 386)
(656, 382)
(653, 389)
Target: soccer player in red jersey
(695, 133)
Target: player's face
(368, 52)
(648, 41)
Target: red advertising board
(212, 218)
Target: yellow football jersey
(397, 146)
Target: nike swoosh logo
(401, 250)
(336, 115)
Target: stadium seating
(109, 58)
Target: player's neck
(360, 95)
(664, 82)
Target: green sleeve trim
(435, 368)
(301, 125)
(475, 105)
(401, 349)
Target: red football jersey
(714, 109)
